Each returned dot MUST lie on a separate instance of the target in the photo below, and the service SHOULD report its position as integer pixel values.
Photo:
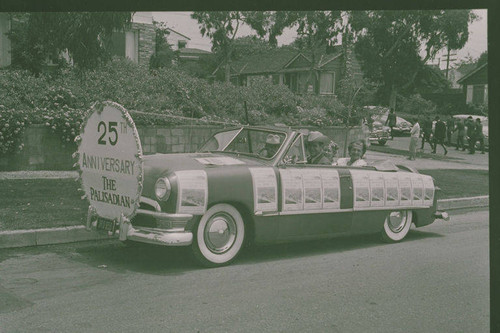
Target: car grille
(141, 220)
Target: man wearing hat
(316, 142)
(271, 147)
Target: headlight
(162, 189)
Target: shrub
(416, 105)
(163, 96)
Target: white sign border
(99, 107)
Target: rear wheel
(219, 236)
(396, 226)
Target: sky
(184, 24)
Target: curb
(35, 237)
(471, 202)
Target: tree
(316, 29)
(483, 58)
(163, 56)
(222, 27)
(389, 43)
(41, 36)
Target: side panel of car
(233, 185)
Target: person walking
(391, 122)
(426, 132)
(439, 135)
(471, 133)
(460, 128)
(414, 135)
(478, 135)
(450, 126)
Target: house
(475, 85)
(455, 74)
(293, 68)
(179, 42)
(136, 43)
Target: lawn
(40, 203)
(47, 203)
(456, 183)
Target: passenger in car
(271, 147)
(315, 146)
(357, 150)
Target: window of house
(181, 44)
(478, 94)
(117, 43)
(485, 94)
(132, 45)
(468, 99)
(291, 81)
(327, 83)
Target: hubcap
(220, 233)
(397, 221)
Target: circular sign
(110, 161)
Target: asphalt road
(435, 281)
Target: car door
(314, 200)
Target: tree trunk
(392, 97)
(228, 66)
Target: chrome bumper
(169, 236)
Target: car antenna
(248, 133)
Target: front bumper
(171, 234)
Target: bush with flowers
(163, 96)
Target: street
(437, 280)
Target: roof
(465, 77)
(276, 60)
(193, 51)
(178, 33)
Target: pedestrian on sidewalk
(471, 133)
(450, 125)
(460, 128)
(391, 122)
(426, 132)
(414, 135)
(439, 135)
(478, 135)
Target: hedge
(60, 100)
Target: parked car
(379, 133)
(484, 121)
(402, 128)
(235, 190)
(380, 113)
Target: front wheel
(219, 236)
(396, 226)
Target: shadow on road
(158, 260)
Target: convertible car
(234, 191)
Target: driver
(316, 142)
(272, 146)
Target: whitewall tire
(396, 226)
(219, 236)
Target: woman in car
(356, 150)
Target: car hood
(161, 164)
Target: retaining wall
(43, 150)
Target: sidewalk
(455, 159)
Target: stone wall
(43, 150)
(147, 41)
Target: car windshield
(258, 142)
